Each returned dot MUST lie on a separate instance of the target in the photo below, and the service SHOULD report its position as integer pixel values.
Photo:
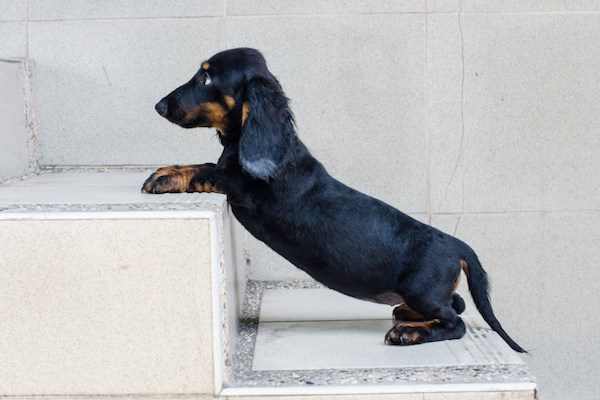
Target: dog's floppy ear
(268, 129)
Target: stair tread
(96, 190)
(297, 337)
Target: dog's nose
(161, 107)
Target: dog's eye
(207, 79)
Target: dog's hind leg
(405, 313)
(440, 323)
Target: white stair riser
(119, 306)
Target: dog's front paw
(182, 178)
(170, 179)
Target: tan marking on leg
(425, 325)
(407, 313)
(204, 187)
(176, 178)
(465, 267)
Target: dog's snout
(161, 108)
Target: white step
(110, 292)
(310, 340)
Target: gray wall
(481, 117)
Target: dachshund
(283, 196)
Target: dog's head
(235, 93)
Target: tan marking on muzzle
(213, 112)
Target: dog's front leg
(206, 178)
(182, 178)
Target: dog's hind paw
(406, 334)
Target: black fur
(344, 239)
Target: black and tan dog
(344, 239)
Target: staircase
(106, 291)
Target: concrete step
(110, 292)
(301, 339)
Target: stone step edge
(511, 387)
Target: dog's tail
(479, 285)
